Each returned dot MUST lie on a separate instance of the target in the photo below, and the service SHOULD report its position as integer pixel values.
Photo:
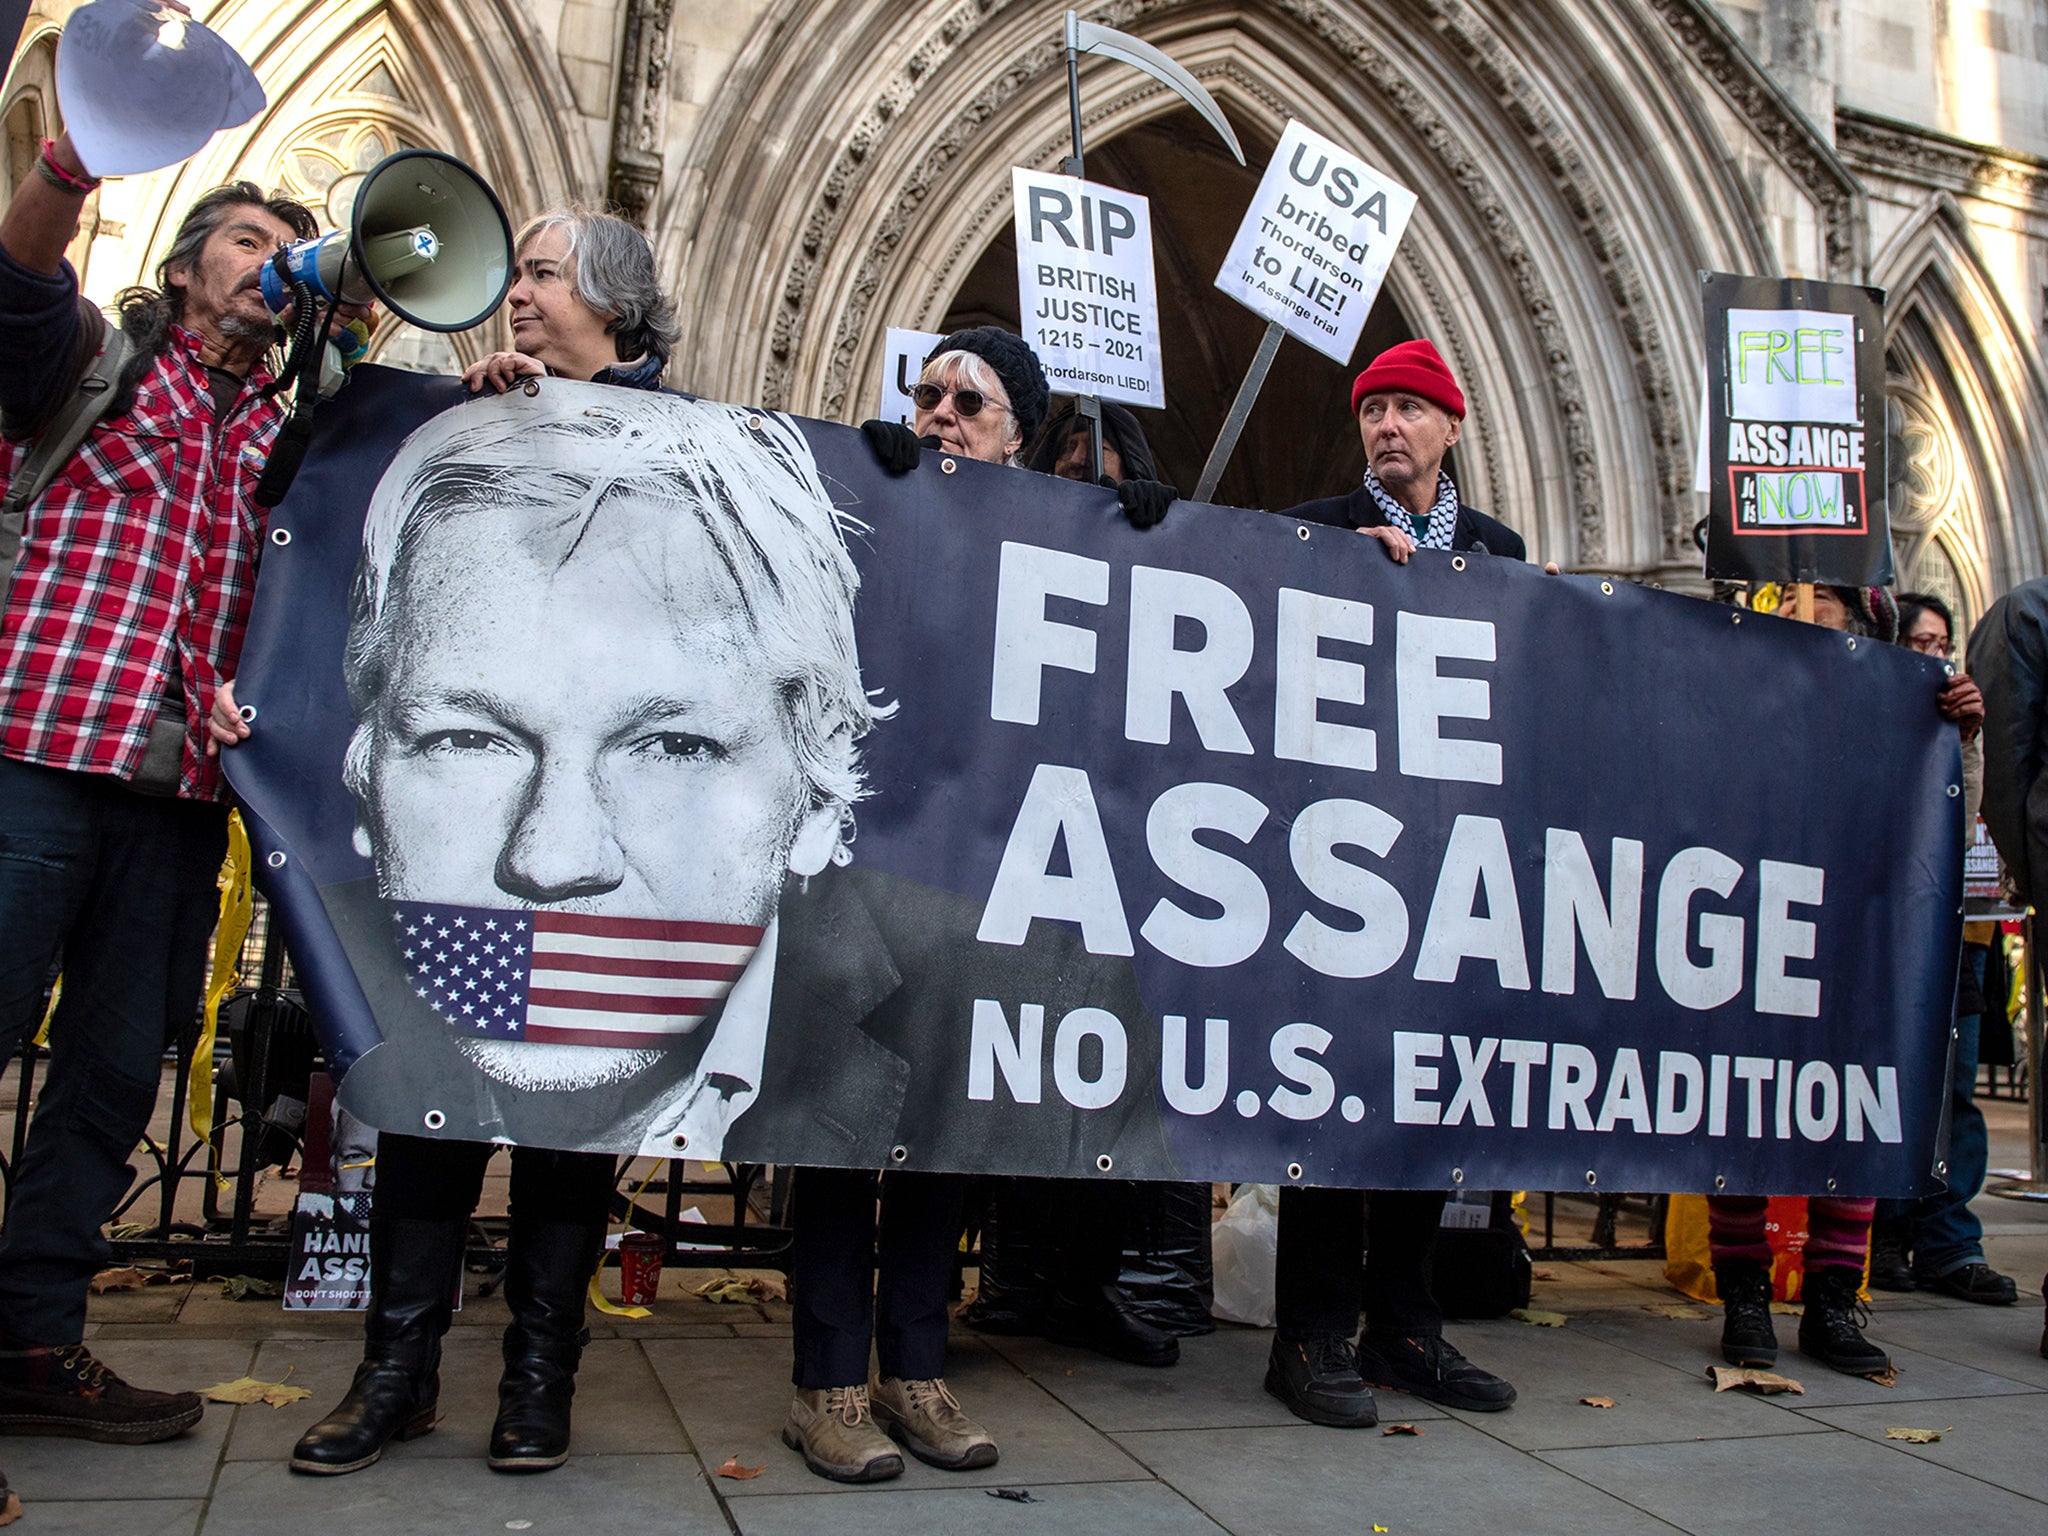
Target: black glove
(894, 444)
(1145, 501)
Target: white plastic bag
(1244, 1242)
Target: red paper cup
(640, 1256)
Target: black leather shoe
(1101, 1322)
(1318, 1380)
(397, 1388)
(1973, 1282)
(1747, 1337)
(548, 1265)
(1429, 1367)
(1889, 1270)
(1830, 1328)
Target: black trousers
(1317, 1279)
(839, 1304)
(424, 1178)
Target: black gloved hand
(895, 445)
(1145, 501)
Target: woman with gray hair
(585, 304)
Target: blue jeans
(1943, 1233)
(123, 886)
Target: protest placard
(903, 355)
(1313, 248)
(1085, 288)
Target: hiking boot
(1889, 1270)
(835, 1429)
(1747, 1337)
(1830, 1328)
(63, 1390)
(1430, 1367)
(1977, 1282)
(1318, 1380)
(925, 1419)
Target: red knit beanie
(1413, 366)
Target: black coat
(2009, 659)
(869, 1029)
(1475, 529)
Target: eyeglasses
(966, 402)
(1931, 645)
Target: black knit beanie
(1015, 364)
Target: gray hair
(747, 477)
(981, 373)
(613, 268)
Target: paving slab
(619, 1408)
(733, 1397)
(1817, 1485)
(100, 1517)
(1997, 1440)
(1219, 1383)
(2003, 1341)
(43, 1468)
(404, 1495)
(1450, 1479)
(1128, 1509)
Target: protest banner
(903, 355)
(1225, 850)
(1314, 246)
(1795, 432)
(1085, 287)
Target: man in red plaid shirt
(125, 608)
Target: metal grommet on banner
(1607, 588)
(276, 860)
(531, 386)
(1103, 1163)
(1954, 790)
(1457, 562)
(280, 537)
(1457, 1175)
(1738, 618)
(1948, 669)
(1294, 1171)
(754, 422)
(899, 1154)
(1301, 532)
(1831, 1186)
(1941, 1168)
(434, 1119)
(680, 1142)
(1852, 642)
(248, 714)
(947, 466)
(1592, 1178)
(1720, 1182)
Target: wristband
(57, 176)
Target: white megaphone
(428, 240)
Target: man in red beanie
(1410, 411)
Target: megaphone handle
(288, 453)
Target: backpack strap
(67, 430)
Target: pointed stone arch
(1968, 402)
(855, 165)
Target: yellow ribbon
(237, 908)
(598, 1299)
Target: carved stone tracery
(640, 119)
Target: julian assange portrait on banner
(609, 708)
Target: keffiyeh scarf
(1443, 513)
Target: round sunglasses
(966, 402)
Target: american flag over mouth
(569, 978)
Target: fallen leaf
(1597, 1402)
(1678, 1310)
(128, 1279)
(731, 1468)
(244, 1287)
(1400, 1429)
(1536, 1317)
(1919, 1436)
(247, 1389)
(1769, 1383)
(1888, 1377)
(1379, 1527)
(1540, 1273)
(1014, 1495)
(1787, 1309)
(728, 1289)
(769, 1287)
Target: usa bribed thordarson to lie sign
(1227, 849)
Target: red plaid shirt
(142, 552)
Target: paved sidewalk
(1111, 1448)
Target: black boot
(1828, 1328)
(1889, 1270)
(1747, 1337)
(414, 1267)
(548, 1266)
(1084, 1307)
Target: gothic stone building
(815, 171)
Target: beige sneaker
(925, 1419)
(836, 1431)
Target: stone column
(641, 115)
